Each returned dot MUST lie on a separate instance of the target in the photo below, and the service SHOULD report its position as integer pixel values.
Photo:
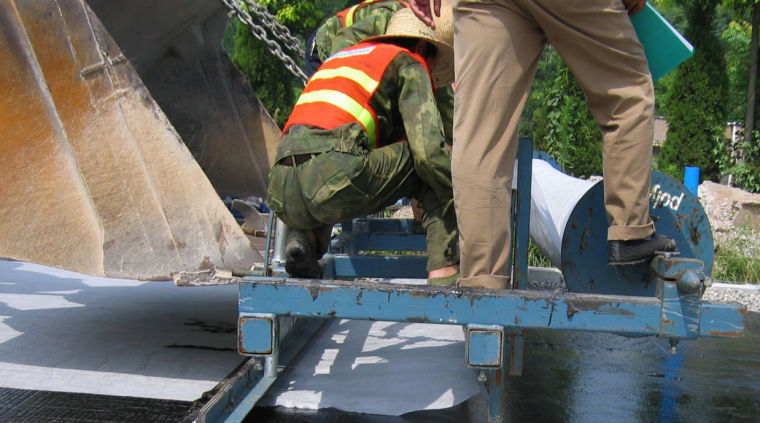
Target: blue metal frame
(495, 320)
(501, 317)
(523, 309)
(238, 394)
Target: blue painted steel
(413, 303)
(376, 266)
(522, 214)
(676, 213)
(680, 313)
(691, 178)
(495, 387)
(484, 345)
(521, 230)
(378, 225)
(238, 394)
(257, 333)
(246, 404)
(673, 269)
(388, 242)
(723, 320)
(516, 346)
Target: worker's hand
(422, 8)
(633, 6)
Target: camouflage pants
(335, 187)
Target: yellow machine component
(93, 176)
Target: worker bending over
(355, 24)
(365, 132)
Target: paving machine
(278, 314)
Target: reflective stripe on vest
(347, 15)
(345, 103)
(340, 91)
(355, 75)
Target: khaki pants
(497, 46)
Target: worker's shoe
(450, 280)
(639, 250)
(300, 256)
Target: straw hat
(405, 24)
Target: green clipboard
(664, 46)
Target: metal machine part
(495, 321)
(569, 224)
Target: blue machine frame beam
(523, 309)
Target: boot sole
(639, 261)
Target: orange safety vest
(340, 91)
(347, 15)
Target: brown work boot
(300, 256)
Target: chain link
(238, 8)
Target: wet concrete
(594, 377)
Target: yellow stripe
(355, 75)
(352, 10)
(350, 15)
(343, 102)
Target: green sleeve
(368, 27)
(445, 99)
(325, 35)
(424, 128)
(369, 20)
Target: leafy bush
(561, 122)
(747, 172)
(695, 103)
(277, 88)
(737, 259)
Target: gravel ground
(718, 292)
(745, 294)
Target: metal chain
(237, 8)
(278, 29)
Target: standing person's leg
(598, 42)
(496, 51)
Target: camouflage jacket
(406, 109)
(369, 20)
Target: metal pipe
(281, 235)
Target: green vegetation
(561, 122)
(695, 105)
(738, 260)
(536, 257)
(276, 87)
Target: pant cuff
(628, 233)
(485, 281)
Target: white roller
(554, 196)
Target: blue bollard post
(691, 178)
